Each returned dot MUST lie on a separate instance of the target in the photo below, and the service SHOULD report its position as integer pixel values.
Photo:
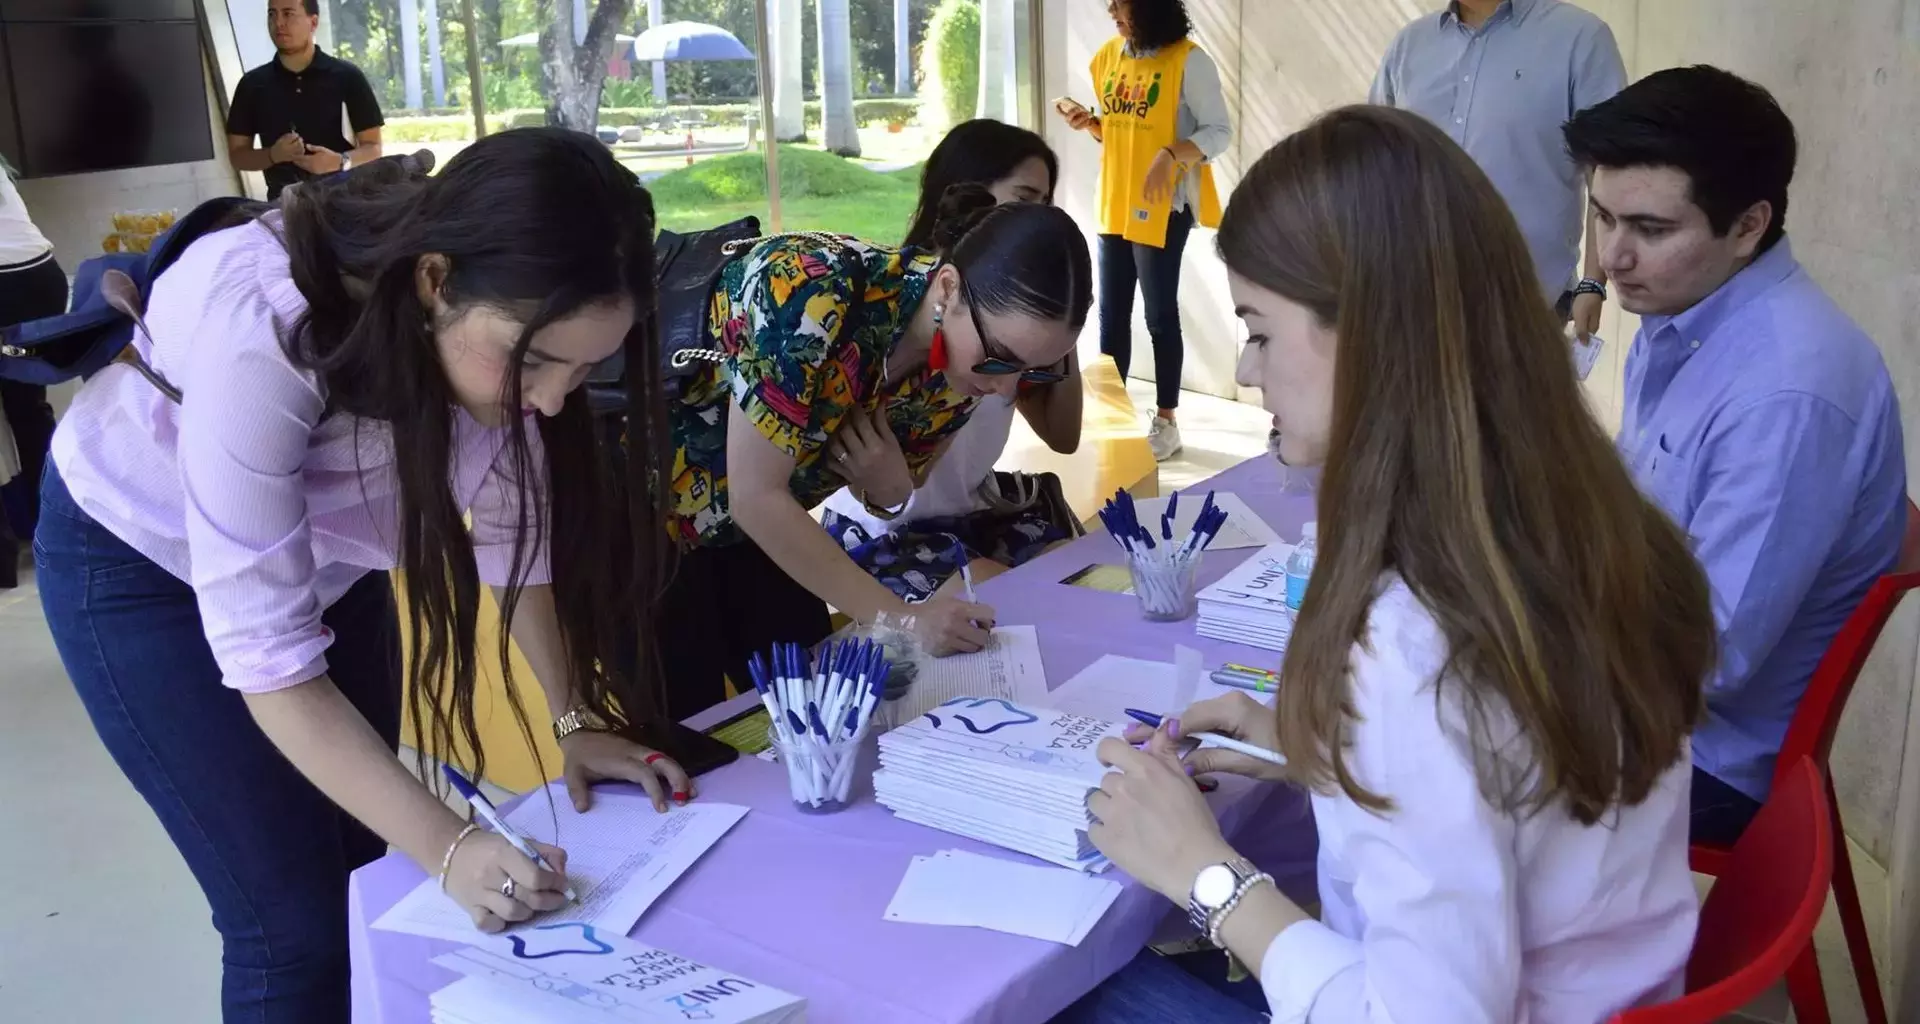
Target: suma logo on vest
(1125, 95)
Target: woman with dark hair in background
(949, 520)
(32, 286)
(353, 373)
(1503, 645)
(816, 390)
(1162, 119)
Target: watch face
(1214, 885)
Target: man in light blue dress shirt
(1500, 77)
(1756, 412)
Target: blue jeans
(270, 851)
(1153, 989)
(1156, 271)
(1720, 813)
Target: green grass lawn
(819, 192)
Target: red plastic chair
(1810, 735)
(1758, 921)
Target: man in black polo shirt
(292, 105)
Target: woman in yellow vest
(1161, 120)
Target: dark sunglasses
(999, 366)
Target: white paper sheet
(954, 887)
(621, 856)
(1243, 529)
(1009, 668)
(1106, 688)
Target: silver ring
(506, 887)
(840, 457)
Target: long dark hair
(1461, 456)
(1157, 23)
(536, 223)
(977, 152)
(1026, 258)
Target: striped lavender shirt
(243, 490)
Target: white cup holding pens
(1163, 571)
(821, 715)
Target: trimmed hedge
(866, 113)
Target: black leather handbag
(687, 268)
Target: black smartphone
(696, 751)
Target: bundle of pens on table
(1163, 570)
(820, 711)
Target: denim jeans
(1153, 989)
(269, 850)
(1124, 264)
(1720, 813)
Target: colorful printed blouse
(797, 374)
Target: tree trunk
(436, 68)
(494, 20)
(838, 132)
(410, 52)
(789, 88)
(574, 74)
(902, 48)
(996, 53)
(656, 18)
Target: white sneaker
(1163, 437)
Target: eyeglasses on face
(995, 365)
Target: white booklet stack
(1249, 605)
(574, 973)
(1009, 774)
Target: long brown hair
(541, 222)
(1462, 457)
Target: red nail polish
(680, 797)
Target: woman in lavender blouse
(360, 370)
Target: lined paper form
(621, 856)
(1009, 668)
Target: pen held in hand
(1212, 739)
(485, 809)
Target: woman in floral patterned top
(805, 404)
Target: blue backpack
(109, 297)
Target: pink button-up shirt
(243, 489)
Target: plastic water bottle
(1300, 568)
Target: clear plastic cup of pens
(1164, 585)
(820, 775)
(820, 709)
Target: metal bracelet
(447, 862)
(1239, 892)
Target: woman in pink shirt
(357, 372)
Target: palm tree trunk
(839, 134)
(573, 74)
(789, 86)
(436, 68)
(902, 48)
(410, 51)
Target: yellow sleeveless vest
(1139, 99)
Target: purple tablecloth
(795, 900)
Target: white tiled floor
(92, 880)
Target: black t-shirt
(272, 101)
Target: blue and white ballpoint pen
(1212, 739)
(485, 809)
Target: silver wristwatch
(1216, 889)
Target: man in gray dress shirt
(1501, 77)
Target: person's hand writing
(478, 875)
(865, 453)
(287, 148)
(949, 625)
(319, 160)
(1161, 175)
(595, 756)
(1586, 314)
(1151, 821)
(1234, 715)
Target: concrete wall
(1849, 75)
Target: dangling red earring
(937, 352)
